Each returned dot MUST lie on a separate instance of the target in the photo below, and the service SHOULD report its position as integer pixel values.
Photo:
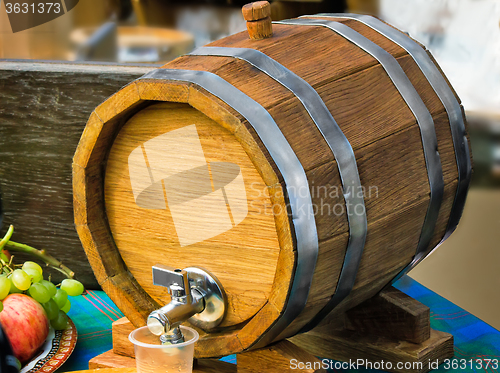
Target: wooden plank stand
(390, 331)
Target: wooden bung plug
(258, 17)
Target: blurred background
(463, 35)
(131, 31)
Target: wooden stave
(429, 145)
(450, 101)
(428, 98)
(338, 145)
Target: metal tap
(196, 296)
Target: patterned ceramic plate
(56, 350)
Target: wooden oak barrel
(306, 171)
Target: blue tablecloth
(94, 312)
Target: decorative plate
(57, 348)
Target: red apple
(26, 324)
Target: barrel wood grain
(249, 251)
(377, 266)
(112, 273)
(367, 107)
(344, 97)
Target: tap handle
(196, 295)
(176, 280)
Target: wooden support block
(122, 364)
(281, 357)
(391, 327)
(109, 359)
(276, 358)
(108, 370)
(121, 329)
(348, 345)
(391, 314)
(213, 366)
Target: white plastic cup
(153, 357)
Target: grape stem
(7, 237)
(40, 254)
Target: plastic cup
(153, 357)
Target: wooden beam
(45, 106)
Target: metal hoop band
(424, 121)
(341, 149)
(450, 103)
(288, 164)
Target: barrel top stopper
(258, 17)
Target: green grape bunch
(28, 278)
